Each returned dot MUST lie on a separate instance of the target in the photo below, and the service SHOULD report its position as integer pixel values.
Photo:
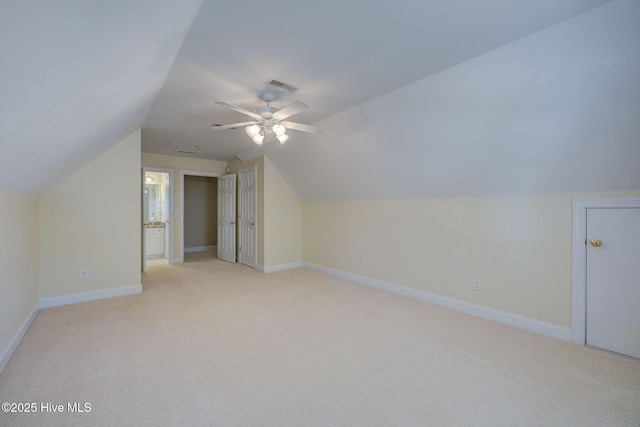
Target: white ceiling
(418, 99)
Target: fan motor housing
(266, 111)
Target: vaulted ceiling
(417, 99)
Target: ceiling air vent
(186, 152)
(281, 85)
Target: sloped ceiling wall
(338, 54)
(555, 112)
(77, 77)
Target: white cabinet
(155, 242)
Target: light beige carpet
(211, 343)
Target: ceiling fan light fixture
(268, 120)
(253, 130)
(279, 129)
(258, 138)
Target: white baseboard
(200, 248)
(278, 267)
(90, 296)
(521, 322)
(15, 341)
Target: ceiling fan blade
(301, 127)
(233, 125)
(290, 110)
(239, 109)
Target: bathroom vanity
(154, 240)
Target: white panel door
(247, 217)
(613, 279)
(227, 218)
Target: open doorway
(200, 213)
(198, 204)
(156, 215)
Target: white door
(247, 217)
(227, 218)
(613, 280)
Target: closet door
(613, 280)
(227, 218)
(247, 217)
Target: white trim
(17, 338)
(278, 267)
(89, 296)
(200, 248)
(183, 172)
(521, 322)
(579, 258)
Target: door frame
(579, 258)
(169, 223)
(255, 203)
(180, 228)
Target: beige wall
(200, 211)
(237, 164)
(18, 262)
(91, 219)
(282, 220)
(178, 163)
(519, 248)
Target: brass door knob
(233, 223)
(596, 243)
(253, 223)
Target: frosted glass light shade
(282, 138)
(279, 129)
(253, 130)
(258, 138)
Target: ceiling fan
(268, 119)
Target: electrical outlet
(476, 284)
(84, 273)
(320, 253)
